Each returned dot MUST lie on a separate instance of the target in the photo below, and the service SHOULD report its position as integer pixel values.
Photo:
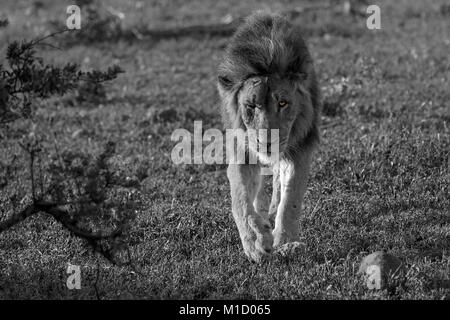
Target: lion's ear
(225, 83)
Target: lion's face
(269, 103)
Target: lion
(266, 80)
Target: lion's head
(267, 81)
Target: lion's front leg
(275, 200)
(254, 230)
(261, 202)
(293, 181)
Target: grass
(380, 179)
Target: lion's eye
(251, 105)
(282, 103)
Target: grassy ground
(380, 179)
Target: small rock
(382, 270)
(227, 19)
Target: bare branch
(63, 217)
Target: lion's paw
(259, 245)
